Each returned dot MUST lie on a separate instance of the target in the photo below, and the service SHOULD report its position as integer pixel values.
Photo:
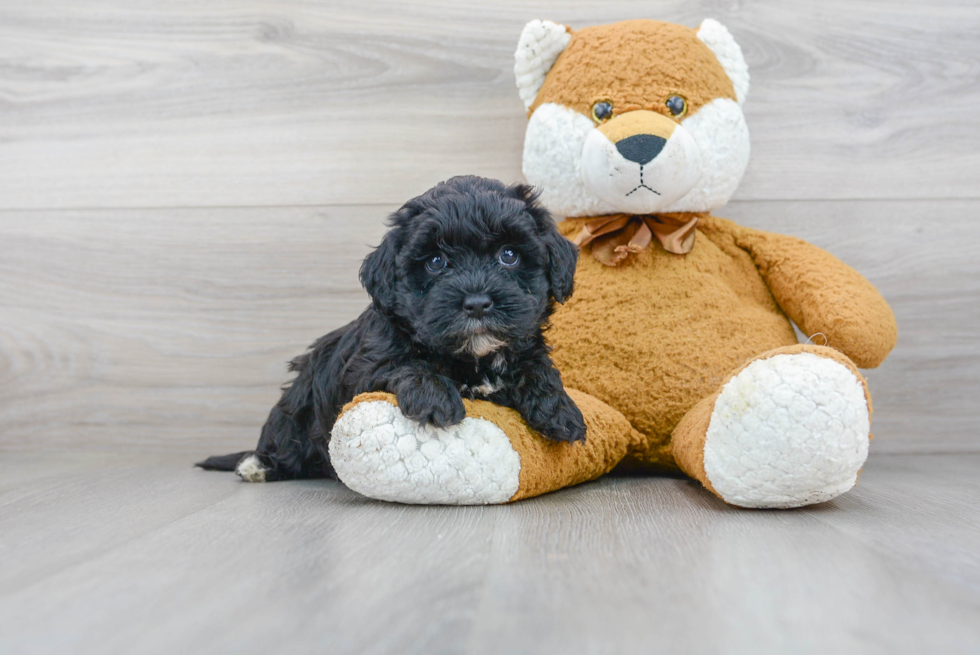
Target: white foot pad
(787, 431)
(250, 469)
(379, 453)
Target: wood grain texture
(142, 554)
(230, 103)
(163, 328)
(186, 192)
(169, 329)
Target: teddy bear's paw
(379, 453)
(787, 431)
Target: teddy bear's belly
(656, 334)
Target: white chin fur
(481, 345)
(555, 156)
(636, 189)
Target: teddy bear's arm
(822, 294)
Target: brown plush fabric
(640, 121)
(660, 331)
(664, 60)
(688, 439)
(823, 295)
(548, 466)
(368, 397)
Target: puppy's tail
(224, 462)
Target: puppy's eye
(602, 111)
(435, 263)
(508, 257)
(677, 106)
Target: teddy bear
(678, 343)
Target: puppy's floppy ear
(378, 273)
(562, 256)
(562, 253)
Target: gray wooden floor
(143, 554)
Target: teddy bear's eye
(677, 106)
(602, 111)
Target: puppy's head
(470, 266)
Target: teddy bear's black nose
(641, 148)
(475, 306)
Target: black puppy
(462, 286)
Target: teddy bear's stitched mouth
(641, 185)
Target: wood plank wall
(187, 188)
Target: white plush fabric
(539, 46)
(577, 177)
(379, 453)
(717, 37)
(722, 138)
(637, 189)
(553, 147)
(787, 431)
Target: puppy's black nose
(641, 148)
(475, 306)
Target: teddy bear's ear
(540, 44)
(717, 37)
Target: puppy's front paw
(560, 420)
(431, 402)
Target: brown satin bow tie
(614, 237)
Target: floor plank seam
(334, 205)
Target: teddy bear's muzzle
(640, 162)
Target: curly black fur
(417, 339)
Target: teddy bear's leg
(491, 457)
(790, 428)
